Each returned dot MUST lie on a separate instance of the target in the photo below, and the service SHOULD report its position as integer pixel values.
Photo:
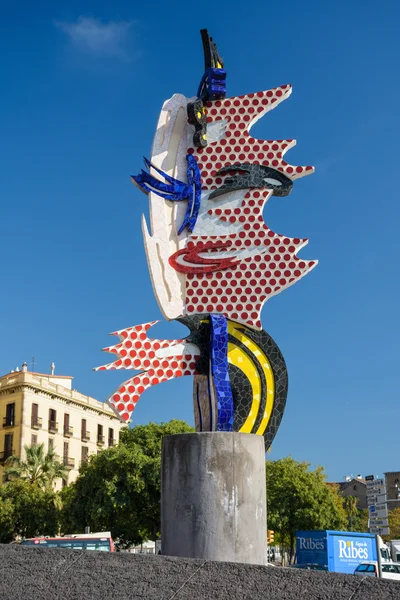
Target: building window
(111, 437)
(33, 440)
(8, 445)
(355, 488)
(9, 419)
(53, 425)
(85, 435)
(68, 462)
(68, 431)
(36, 422)
(100, 436)
(51, 443)
(64, 482)
(84, 453)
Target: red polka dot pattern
(269, 262)
(240, 113)
(137, 351)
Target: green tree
(119, 489)
(350, 507)
(33, 509)
(6, 520)
(149, 437)
(37, 468)
(394, 524)
(298, 498)
(360, 521)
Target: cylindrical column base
(213, 497)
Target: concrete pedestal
(213, 497)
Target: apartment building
(40, 408)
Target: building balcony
(36, 422)
(69, 462)
(7, 422)
(68, 431)
(85, 436)
(53, 427)
(4, 455)
(111, 442)
(100, 440)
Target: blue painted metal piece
(212, 85)
(219, 369)
(194, 198)
(175, 190)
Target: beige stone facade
(36, 408)
(393, 489)
(355, 487)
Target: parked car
(390, 570)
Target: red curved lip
(188, 261)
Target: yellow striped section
(238, 358)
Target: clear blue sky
(82, 85)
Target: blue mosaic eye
(175, 190)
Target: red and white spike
(160, 359)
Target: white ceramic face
(215, 223)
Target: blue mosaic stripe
(219, 368)
(199, 408)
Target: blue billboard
(347, 550)
(338, 551)
(311, 548)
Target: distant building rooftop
(60, 385)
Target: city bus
(91, 541)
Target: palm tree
(38, 467)
(350, 507)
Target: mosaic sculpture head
(213, 261)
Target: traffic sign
(378, 491)
(374, 522)
(375, 491)
(378, 511)
(381, 499)
(375, 483)
(377, 505)
(381, 506)
(371, 488)
(380, 530)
